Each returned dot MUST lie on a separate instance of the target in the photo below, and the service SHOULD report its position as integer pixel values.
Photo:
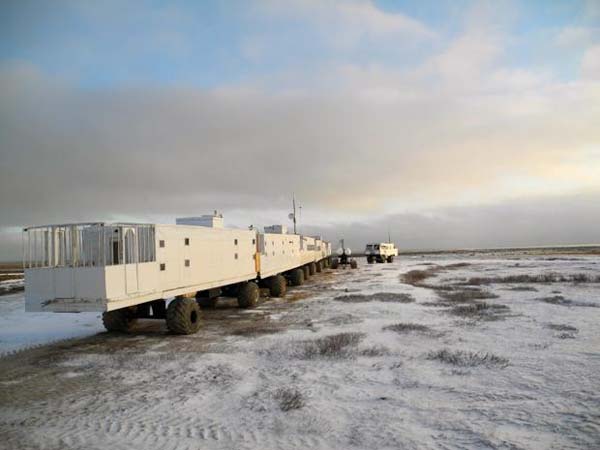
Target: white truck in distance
(127, 270)
(381, 252)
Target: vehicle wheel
(183, 316)
(297, 277)
(370, 259)
(248, 295)
(319, 265)
(335, 263)
(353, 264)
(390, 259)
(119, 320)
(312, 268)
(277, 286)
(306, 271)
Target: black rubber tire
(306, 272)
(297, 277)
(122, 320)
(277, 286)
(370, 259)
(248, 295)
(312, 268)
(206, 302)
(390, 259)
(184, 316)
(353, 264)
(319, 265)
(335, 263)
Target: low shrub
(462, 358)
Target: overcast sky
(454, 123)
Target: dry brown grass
(289, 398)
(386, 297)
(480, 311)
(562, 301)
(561, 327)
(462, 358)
(540, 278)
(417, 276)
(404, 327)
(374, 350)
(333, 346)
(465, 295)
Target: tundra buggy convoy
(127, 270)
(382, 252)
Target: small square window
(161, 244)
(187, 263)
(236, 256)
(187, 241)
(163, 266)
(235, 242)
(253, 241)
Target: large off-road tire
(319, 265)
(248, 295)
(122, 320)
(335, 263)
(390, 259)
(353, 264)
(312, 268)
(297, 277)
(277, 286)
(184, 316)
(370, 259)
(306, 272)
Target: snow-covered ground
(19, 330)
(352, 360)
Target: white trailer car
(381, 252)
(127, 270)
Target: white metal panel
(131, 278)
(279, 253)
(64, 283)
(90, 282)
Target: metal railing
(88, 245)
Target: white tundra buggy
(382, 252)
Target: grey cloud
(557, 220)
(69, 154)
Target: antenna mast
(294, 213)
